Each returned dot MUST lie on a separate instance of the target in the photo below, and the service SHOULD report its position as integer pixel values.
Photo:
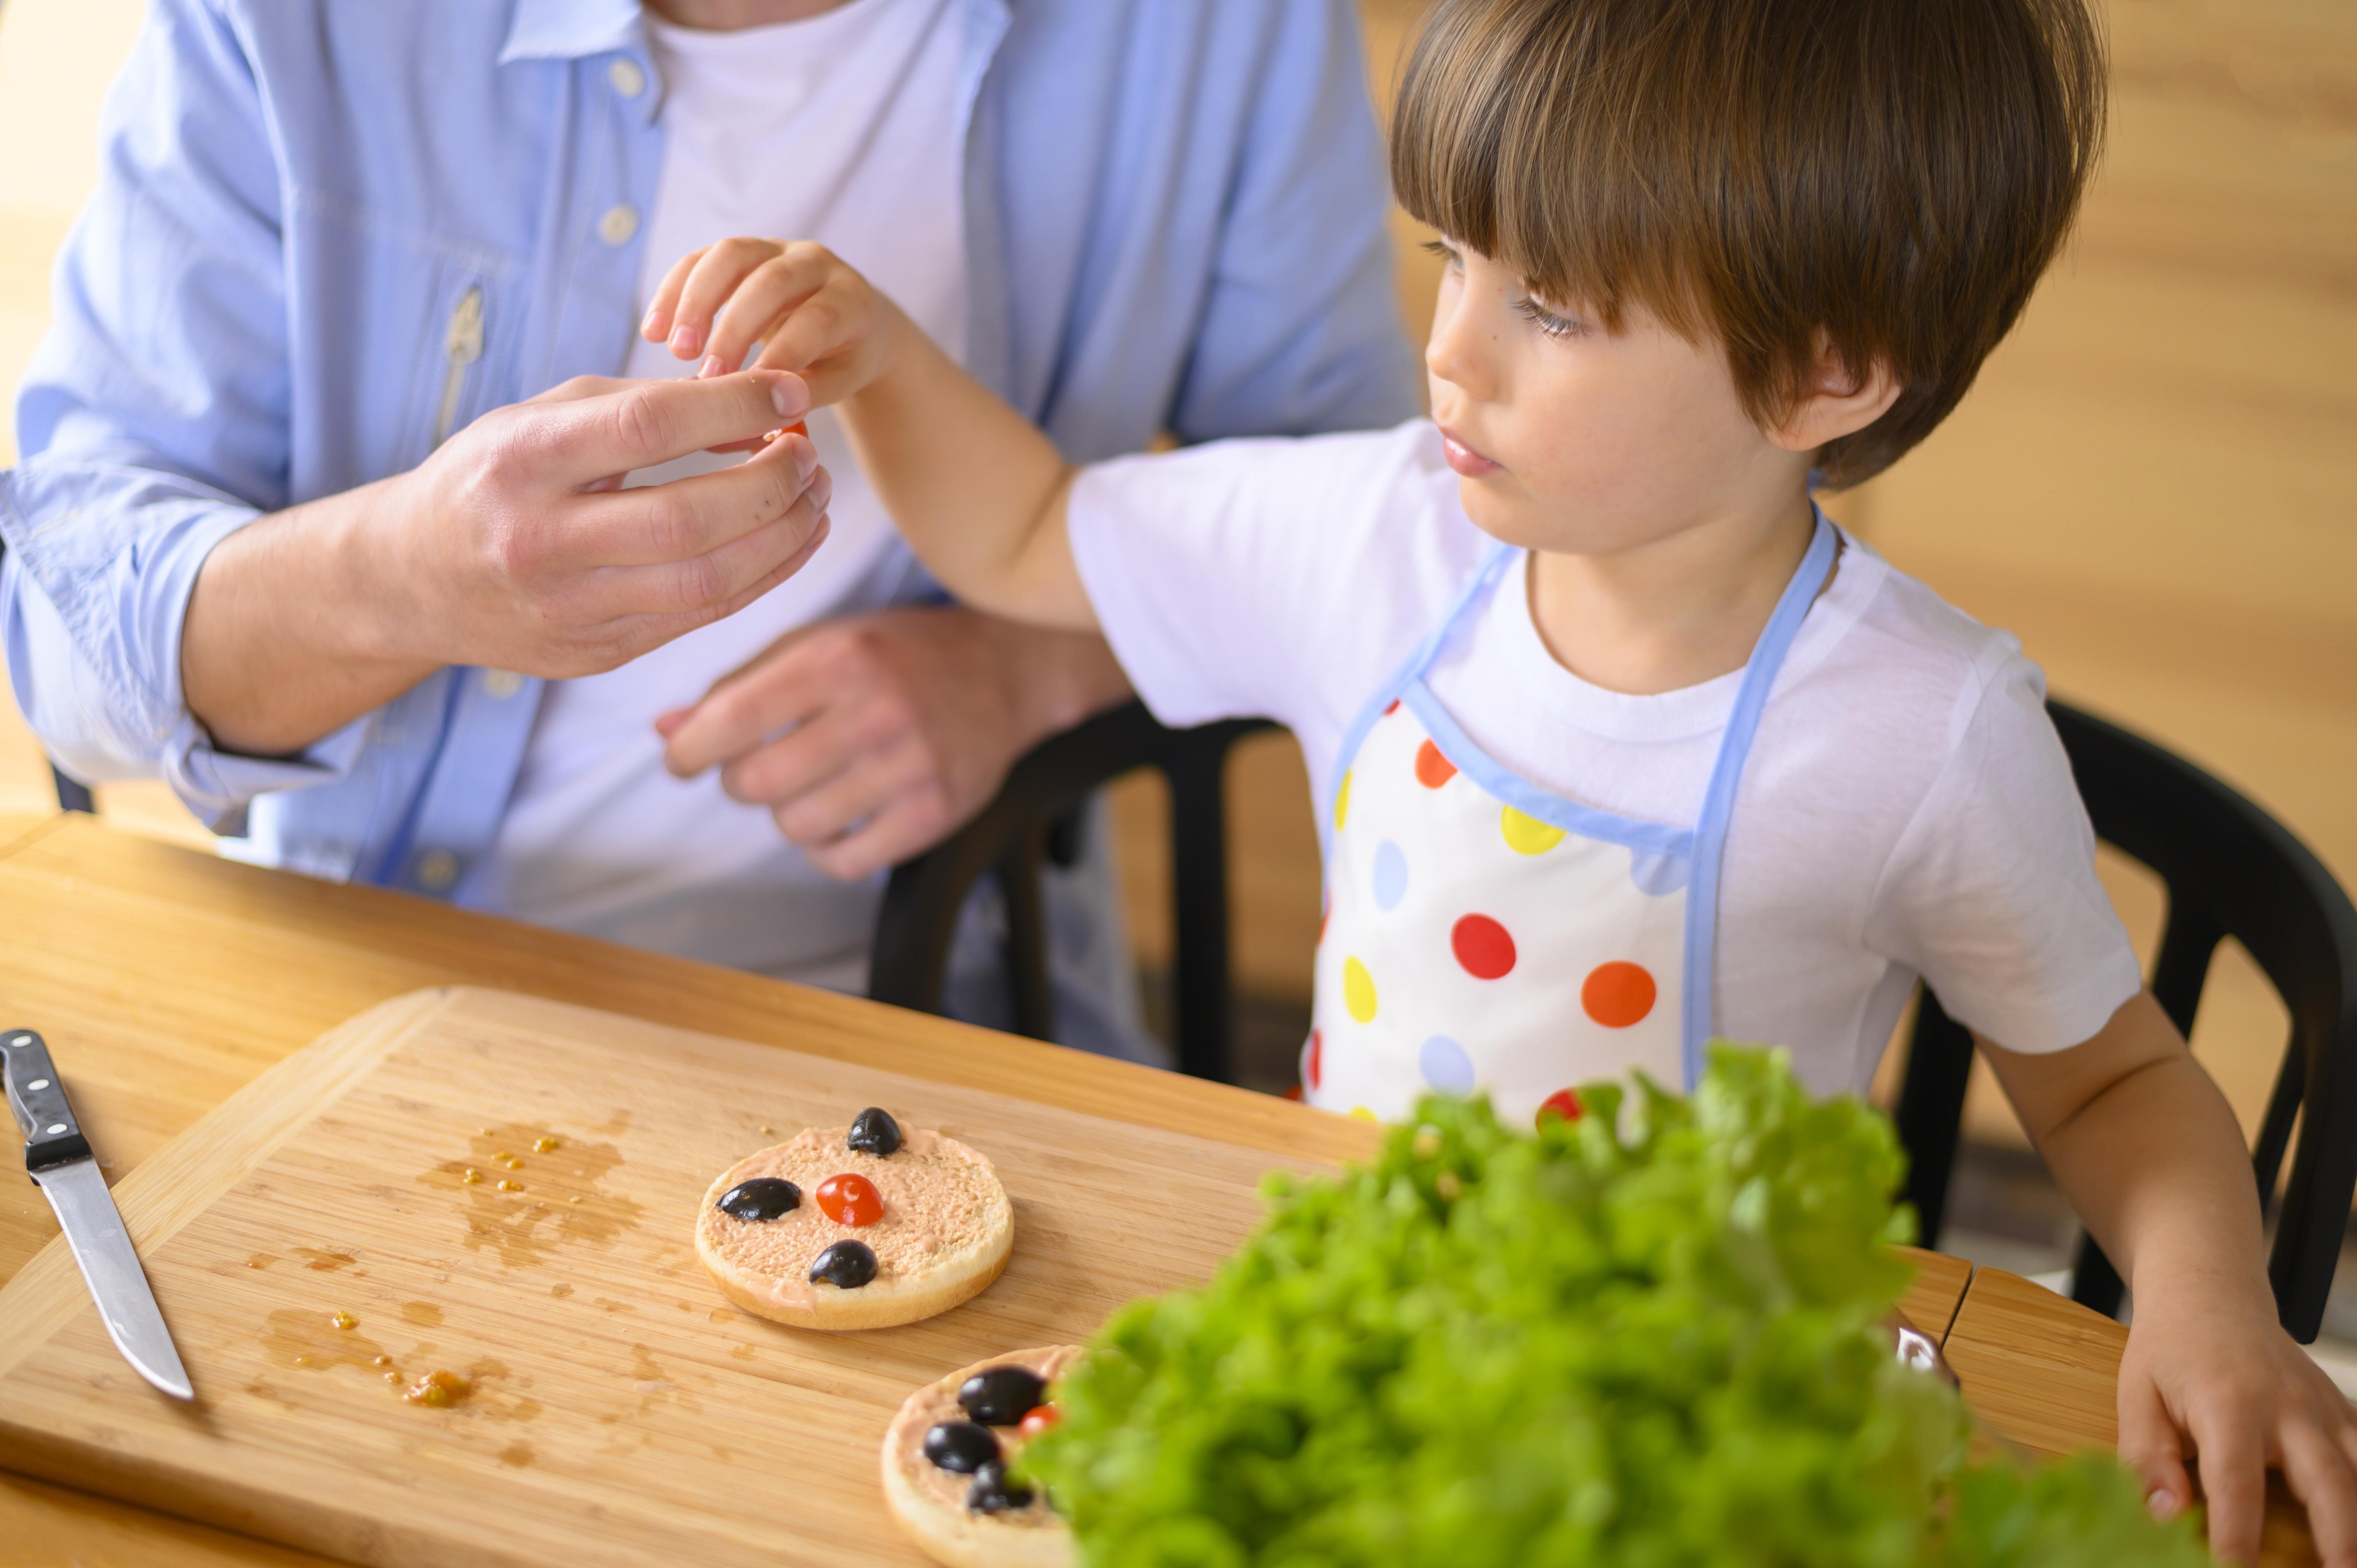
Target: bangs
(1522, 131)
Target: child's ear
(1840, 401)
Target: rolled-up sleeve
(153, 423)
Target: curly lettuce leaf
(1646, 1337)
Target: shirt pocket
(401, 338)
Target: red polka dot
(1391, 707)
(1313, 1060)
(1617, 994)
(1432, 769)
(1563, 1103)
(1482, 946)
(1292, 1091)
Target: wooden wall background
(2154, 484)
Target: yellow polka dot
(1342, 802)
(1527, 834)
(1361, 1113)
(1358, 990)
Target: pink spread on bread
(937, 1195)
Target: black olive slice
(1002, 1396)
(961, 1446)
(849, 1264)
(992, 1492)
(873, 1132)
(763, 1198)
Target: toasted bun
(931, 1505)
(945, 1234)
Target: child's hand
(2222, 1379)
(810, 314)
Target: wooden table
(166, 979)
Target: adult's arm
(511, 547)
(155, 627)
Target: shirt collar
(570, 29)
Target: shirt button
(437, 870)
(621, 222)
(501, 683)
(628, 79)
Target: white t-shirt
(1907, 808)
(843, 128)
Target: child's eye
(1546, 320)
(1443, 249)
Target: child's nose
(1453, 351)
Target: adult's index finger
(642, 424)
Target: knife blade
(61, 1164)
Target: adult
(301, 527)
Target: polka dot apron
(1485, 935)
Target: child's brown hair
(1881, 179)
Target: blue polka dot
(1446, 1066)
(1391, 876)
(1658, 874)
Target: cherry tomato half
(850, 1199)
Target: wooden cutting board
(621, 1412)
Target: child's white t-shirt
(1907, 808)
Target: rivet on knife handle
(37, 1101)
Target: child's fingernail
(647, 328)
(710, 367)
(685, 342)
(2162, 1503)
(785, 398)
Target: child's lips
(1466, 460)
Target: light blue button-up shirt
(327, 232)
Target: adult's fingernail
(806, 461)
(786, 396)
(2162, 1503)
(685, 342)
(654, 314)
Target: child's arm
(978, 493)
(2141, 1139)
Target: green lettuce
(1645, 1337)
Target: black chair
(2231, 870)
(1035, 818)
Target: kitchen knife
(62, 1166)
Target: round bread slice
(931, 1502)
(946, 1229)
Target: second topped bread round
(858, 1227)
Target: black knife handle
(37, 1101)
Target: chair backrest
(1015, 836)
(2231, 870)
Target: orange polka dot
(1617, 994)
(1432, 769)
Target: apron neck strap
(1718, 799)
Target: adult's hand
(874, 737)
(513, 547)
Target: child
(1620, 743)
